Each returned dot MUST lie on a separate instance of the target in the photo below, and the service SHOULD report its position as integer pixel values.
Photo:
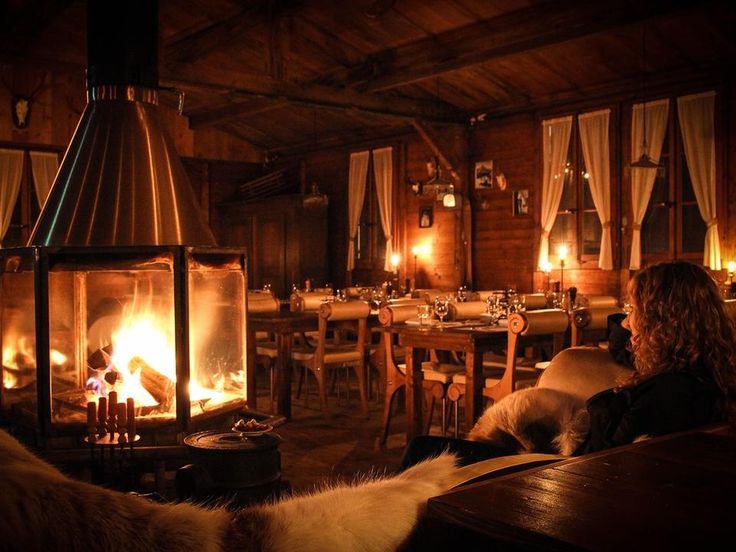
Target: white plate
(253, 433)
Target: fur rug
(42, 509)
(535, 420)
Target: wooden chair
(590, 325)
(535, 301)
(325, 357)
(429, 295)
(527, 328)
(436, 376)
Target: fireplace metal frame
(41, 261)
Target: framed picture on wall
(425, 217)
(520, 205)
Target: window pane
(568, 199)
(562, 232)
(587, 196)
(591, 233)
(660, 187)
(14, 235)
(655, 230)
(362, 241)
(693, 229)
(687, 185)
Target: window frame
(575, 257)
(676, 163)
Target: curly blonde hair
(681, 320)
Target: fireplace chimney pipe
(121, 182)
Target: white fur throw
(537, 419)
(42, 509)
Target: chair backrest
(591, 324)
(483, 295)
(600, 301)
(529, 327)
(394, 314)
(260, 301)
(428, 295)
(583, 372)
(535, 301)
(467, 310)
(403, 301)
(300, 302)
(348, 312)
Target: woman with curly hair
(683, 348)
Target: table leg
(473, 388)
(414, 357)
(283, 374)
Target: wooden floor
(316, 451)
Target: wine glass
(441, 308)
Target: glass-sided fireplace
(164, 325)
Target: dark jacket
(665, 403)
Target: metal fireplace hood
(121, 182)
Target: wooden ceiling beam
(325, 97)
(228, 112)
(432, 139)
(346, 139)
(620, 90)
(536, 26)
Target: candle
(91, 418)
(131, 419)
(102, 416)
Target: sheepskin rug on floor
(535, 420)
(42, 509)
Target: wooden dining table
(669, 493)
(472, 338)
(283, 324)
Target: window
(672, 227)
(27, 209)
(577, 224)
(370, 250)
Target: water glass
(424, 312)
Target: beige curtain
(11, 170)
(555, 142)
(642, 180)
(356, 194)
(44, 165)
(695, 114)
(383, 170)
(594, 139)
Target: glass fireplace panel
(116, 325)
(216, 333)
(18, 327)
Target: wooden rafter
(327, 97)
(432, 139)
(205, 118)
(536, 26)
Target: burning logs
(158, 385)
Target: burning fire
(143, 363)
(19, 356)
